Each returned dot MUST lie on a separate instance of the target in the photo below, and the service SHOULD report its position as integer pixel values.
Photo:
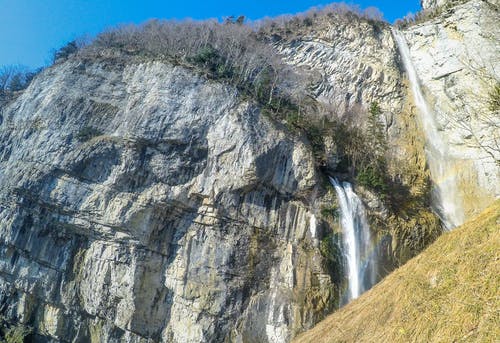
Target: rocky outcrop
(456, 56)
(353, 62)
(432, 4)
(142, 202)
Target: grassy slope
(449, 293)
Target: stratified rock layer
(354, 62)
(142, 201)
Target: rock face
(355, 63)
(431, 4)
(144, 202)
(456, 56)
(141, 202)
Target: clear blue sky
(30, 29)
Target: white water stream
(447, 203)
(357, 246)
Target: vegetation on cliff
(242, 56)
(14, 78)
(494, 98)
(14, 333)
(428, 14)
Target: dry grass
(449, 293)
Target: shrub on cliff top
(238, 54)
(230, 52)
(291, 24)
(14, 334)
(14, 78)
(66, 51)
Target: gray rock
(146, 202)
(457, 58)
(431, 4)
(354, 62)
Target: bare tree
(482, 123)
(15, 78)
(480, 113)
(373, 13)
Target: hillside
(449, 293)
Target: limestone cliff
(145, 202)
(354, 61)
(457, 57)
(141, 201)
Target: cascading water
(361, 258)
(446, 200)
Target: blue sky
(31, 29)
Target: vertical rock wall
(143, 202)
(457, 57)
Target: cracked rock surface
(145, 202)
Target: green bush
(494, 98)
(17, 334)
(316, 137)
(330, 212)
(66, 51)
(206, 55)
(262, 87)
(376, 130)
(87, 133)
(329, 248)
(308, 21)
(373, 178)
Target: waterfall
(312, 226)
(447, 203)
(356, 241)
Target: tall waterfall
(356, 241)
(447, 203)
